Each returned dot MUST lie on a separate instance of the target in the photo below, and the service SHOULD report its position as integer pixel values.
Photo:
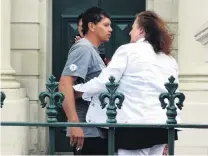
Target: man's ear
(91, 26)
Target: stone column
(7, 72)
(149, 4)
(13, 139)
(193, 75)
(191, 53)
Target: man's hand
(76, 137)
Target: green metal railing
(171, 109)
(56, 99)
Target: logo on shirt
(73, 67)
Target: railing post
(55, 101)
(3, 96)
(171, 87)
(112, 95)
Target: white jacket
(141, 74)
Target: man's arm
(66, 86)
(76, 66)
(76, 133)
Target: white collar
(140, 40)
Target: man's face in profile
(103, 29)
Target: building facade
(27, 52)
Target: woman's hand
(107, 60)
(77, 38)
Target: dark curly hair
(94, 15)
(156, 31)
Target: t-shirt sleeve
(78, 62)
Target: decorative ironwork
(55, 99)
(3, 96)
(171, 96)
(112, 95)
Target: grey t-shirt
(85, 63)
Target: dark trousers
(139, 138)
(93, 146)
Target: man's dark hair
(93, 15)
(79, 18)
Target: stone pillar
(149, 4)
(193, 76)
(13, 139)
(191, 53)
(7, 72)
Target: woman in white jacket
(141, 67)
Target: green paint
(112, 95)
(172, 95)
(171, 113)
(55, 99)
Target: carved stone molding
(202, 35)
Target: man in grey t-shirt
(83, 64)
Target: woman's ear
(91, 26)
(142, 32)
